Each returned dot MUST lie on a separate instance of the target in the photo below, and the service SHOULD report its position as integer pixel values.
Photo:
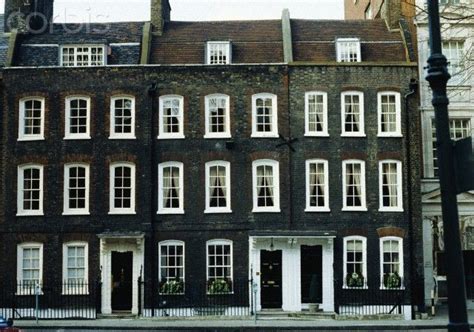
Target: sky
(193, 10)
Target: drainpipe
(152, 93)
(413, 89)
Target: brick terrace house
(199, 155)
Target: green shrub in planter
(355, 280)
(172, 287)
(392, 280)
(219, 286)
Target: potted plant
(219, 286)
(392, 280)
(313, 294)
(355, 280)
(172, 287)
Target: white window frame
(363, 198)
(399, 207)
(161, 133)
(341, 42)
(172, 243)
(398, 110)
(324, 132)
(161, 208)
(66, 209)
(224, 209)
(324, 208)
(274, 123)
(89, 53)
(20, 195)
(220, 242)
(112, 208)
(67, 119)
(276, 184)
(225, 46)
(400, 255)
(364, 258)
(226, 133)
(22, 136)
(113, 133)
(21, 289)
(431, 139)
(75, 289)
(361, 132)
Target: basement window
(218, 53)
(82, 55)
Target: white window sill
(266, 210)
(124, 212)
(177, 136)
(167, 294)
(25, 293)
(355, 288)
(353, 135)
(354, 209)
(73, 138)
(388, 135)
(323, 134)
(223, 135)
(312, 209)
(210, 211)
(73, 293)
(123, 137)
(176, 211)
(30, 214)
(76, 213)
(264, 135)
(32, 138)
(390, 209)
(391, 289)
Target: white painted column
(291, 281)
(328, 276)
(105, 262)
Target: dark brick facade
(195, 227)
(176, 57)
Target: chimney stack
(160, 15)
(28, 15)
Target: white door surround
(291, 267)
(120, 243)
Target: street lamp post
(438, 77)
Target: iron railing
(29, 300)
(195, 299)
(371, 301)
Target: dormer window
(218, 53)
(348, 50)
(82, 55)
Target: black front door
(270, 279)
(122, 281)
(469, 272)
(311, 274)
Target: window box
(172, 287)
(219, 286)
(354, 280)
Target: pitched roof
(62, 33)
(252, 41)
(314, 40)
(262, 41)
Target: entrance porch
(292, 269)
(121, 261)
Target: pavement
(436, 323)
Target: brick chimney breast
(160, 15)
